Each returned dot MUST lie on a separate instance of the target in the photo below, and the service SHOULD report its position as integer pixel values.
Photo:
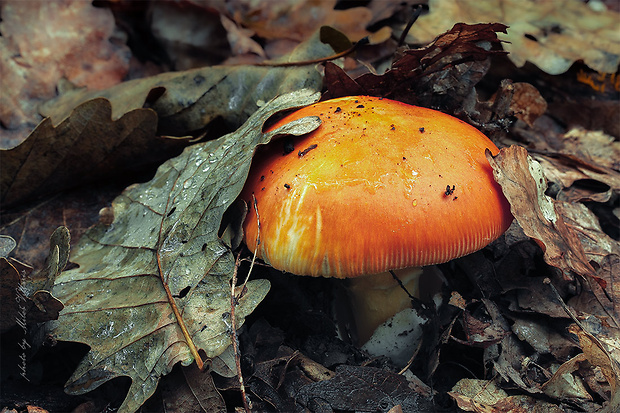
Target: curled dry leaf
(552, 35)
(597, 355)
(441, 74)
(482, 396)
(541, 217)
(564, 385)
(25, 298)
(162, 252)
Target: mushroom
(380, 185)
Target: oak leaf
(163, 251)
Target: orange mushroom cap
(379, 185)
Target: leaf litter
(540, 330)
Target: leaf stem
(177, 314)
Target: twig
(257, 241)
(234, 300)
(351, 49)
(414, 16)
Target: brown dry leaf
(527, 104)
(540, 217)
(564, 384)
(599, 315)
(187, 389)
(86, 146)
(441, 74)
(598, 356)
(482, 332)
(597, 245)
(551, 34)
(484, 396)
(595, 147)
(296, 20)
(578, 180)
(240, 39)
(37, 49)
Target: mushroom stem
(376, 298)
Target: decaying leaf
(164, 236)
(88, 145)
(598, 356)
(185, 102)
(552, 35)
(482, 396)
(564, 385)
(188, 389)
(540, 217)
(363, 389)
(25, 298)
(527, 103)
(85, 139)
(441, 74)
(297, 19)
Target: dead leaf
(527, 104)
(552, 35)
(363, 389)
(297, 19)
(186, 102)
(187, 389)
(37, 50)
(164, 236)
(482, 396)
(240, 39)
(7, 244)
(25, 298)
(609, 366)
(11, 296)
(475, 395)
(85, 147)
(78, 210)
(441, 74)
(564, 384)
(541, 217)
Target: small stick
(257, 242)
(350, 50)
(414, 16)
(234, 300)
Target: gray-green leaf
(165, 230)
